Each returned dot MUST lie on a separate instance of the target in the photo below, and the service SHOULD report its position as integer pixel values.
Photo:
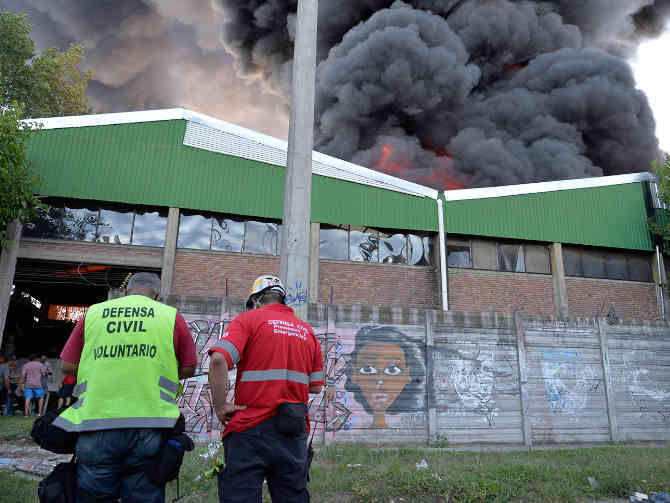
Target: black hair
(412, 395)
(265, 297)
(32, 357)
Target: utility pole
(294, 259)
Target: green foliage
(31, 85)
(47, 85)
(660, 225)
(16, 182)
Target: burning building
(200, 202)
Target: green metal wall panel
(340, 202)
(613, 216)
(146, 163)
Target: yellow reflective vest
(127, 375)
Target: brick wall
(209, 274)
(378, 284)
(220, 274)
(477, 290)
(631, 299)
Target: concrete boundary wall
(400, 375)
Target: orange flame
(442, 178)
(385, 165)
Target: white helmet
(262, 284)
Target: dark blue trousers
(105, 455)
(262, 452)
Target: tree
(31, 86)
(47, 85)
(660, 225)
(16, 182)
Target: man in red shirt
(279, 363)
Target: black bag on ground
(52, 438)
(165, 466)
(291, 419)
(60, 486)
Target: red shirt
(184, 347)
(278, 358)
(68, 379)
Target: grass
(15, 427)
(17, 487)
(391, 474)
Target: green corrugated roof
(146, 163)
(612, 216)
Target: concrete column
(169, 253)
(7, 268)
(561, 309)
(432, 429)
(294, 260)
(607, 380)
(442, 248)
(315, 229)
(658, 272)
(523, 380)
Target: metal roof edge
(333, 162)
(534, 188)
(108, 119)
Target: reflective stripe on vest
(79, 389)
(229, 348)
(316, 376)
(113, 423)
(128, 376)
(274, 375)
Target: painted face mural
(385, 373)
(381, 373)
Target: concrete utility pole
(294, 260)
(7, 269)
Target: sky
(487, 93)
(653, 77)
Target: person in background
(31, 378)
(128, 355)
(12, 382)
(45, 381)
(279, 363)
(4, 383)
(65, 390)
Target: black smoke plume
(447, 93)
(456, 93)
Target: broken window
(458, 254)
(334, 242)
(392, 248)
(260, 237)
(538, 260)
(227, 234)
(149, 229)
(363, 245)
(418, 251)
(114, 226)
(195, 232)
(511, 258)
